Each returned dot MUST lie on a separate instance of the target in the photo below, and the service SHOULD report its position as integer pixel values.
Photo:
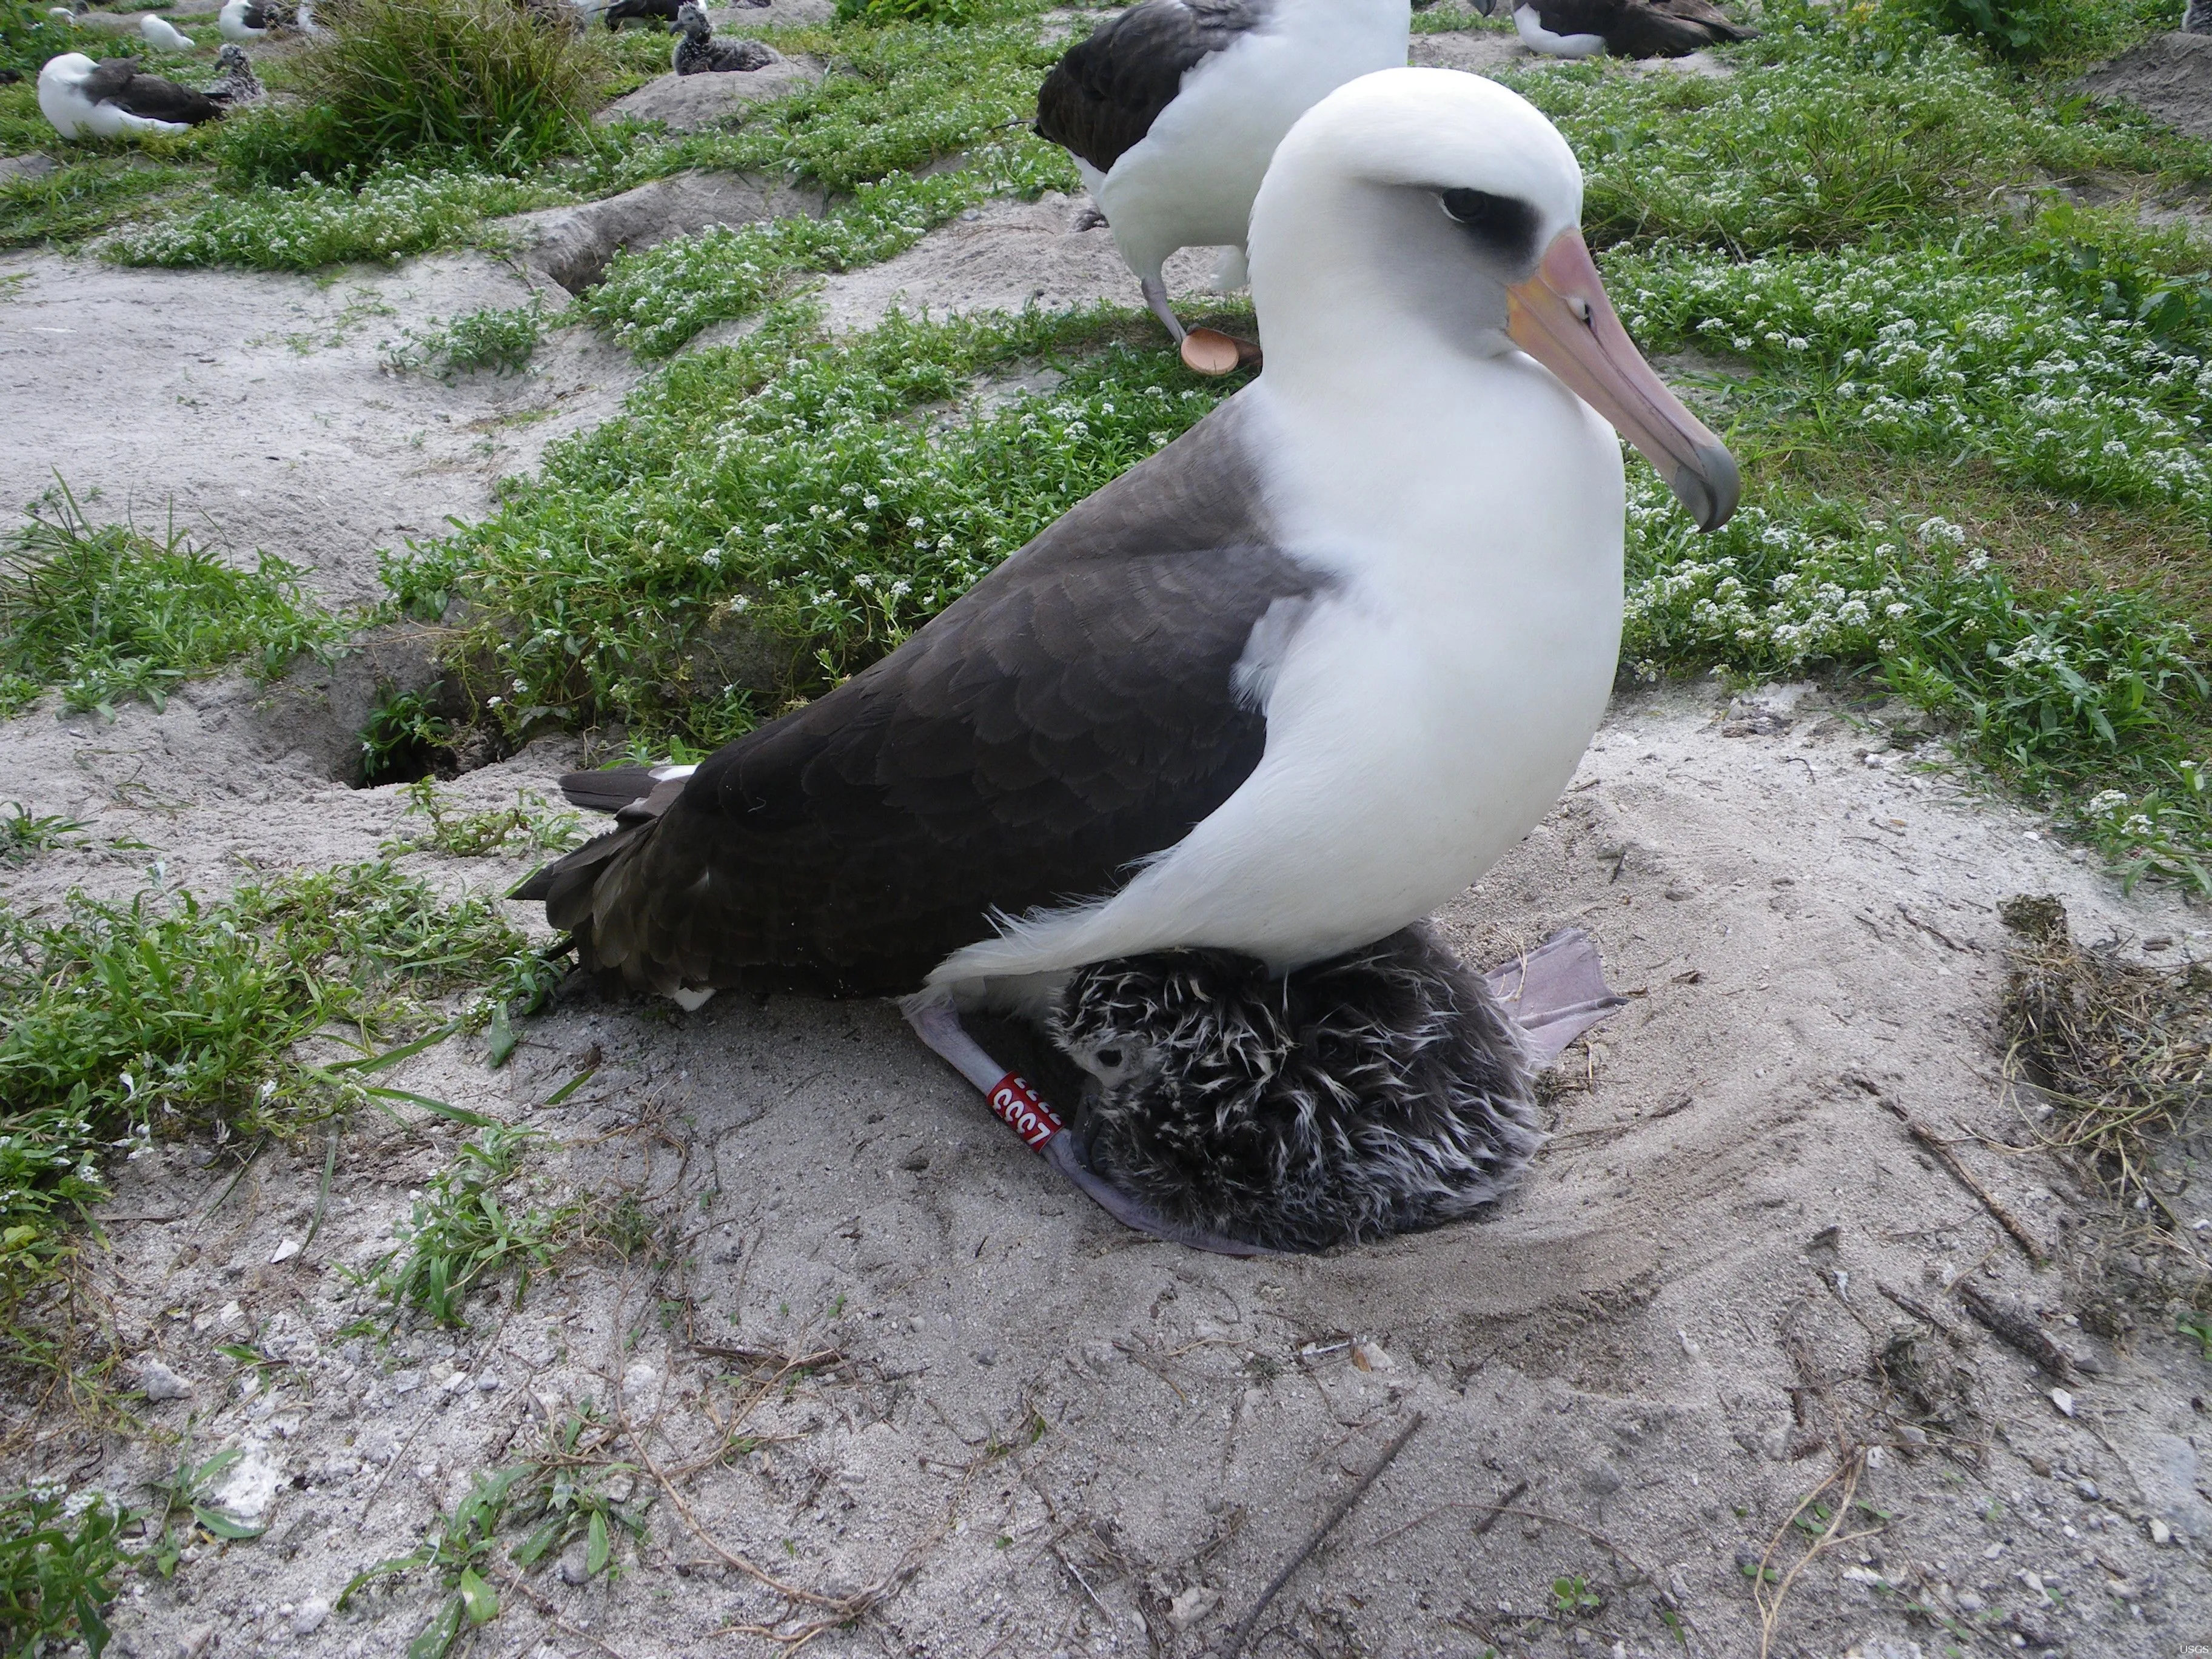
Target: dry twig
(2017, 1328)
(1243, 1633)
(1941, 1148)
(1770, 1612)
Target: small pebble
(2160, 1532)
(308, 1617)
(158, 1382)
(2063, 1401)
(574, 1565)
(285, 1251)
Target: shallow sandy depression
(878, 1371)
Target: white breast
(1426, 715)
(1537, 37)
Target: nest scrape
(2122, 1048)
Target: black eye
(1504, 222)
(1110, 1058)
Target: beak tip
(1710, 487)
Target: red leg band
(1023, 1110)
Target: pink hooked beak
(1561, 317)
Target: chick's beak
(1561, 317)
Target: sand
(879, 1354)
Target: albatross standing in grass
(1625, 28)
(1172, 109)
(1279, 690)
(112, 99)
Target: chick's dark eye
(1110, 1058)
(1504, 222)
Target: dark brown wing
(117, 82)
(1072, 714)
(1103, 95)
(110, 78)
(1668, 28)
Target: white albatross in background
(1623, 28)
(112, 99)
(240, 21)
(1172, 109)
(160, 34)
(1279, 690)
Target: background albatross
(1279, 690)
(1172, 109)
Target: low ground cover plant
(1969, 351)
(166, 1013)
(305, 226)
(61, 1564)
(502, 341)
(108, 612)
(784, 501)
(2093, 703)
(1835, 127)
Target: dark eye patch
(1505, 224)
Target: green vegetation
(563, 1489)
(60, 1558)
(396, 212)
(2092, 701)
(501, 341)
(528, 826)
(24, 836)
(405, 736)
(906, 11)
(1834, 129)
(109, 613)
(481, 80)
(769, 518)
(166, 1013)
(188, 1509)
(460, 1237)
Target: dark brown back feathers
(1073, 713)
(1103, 96)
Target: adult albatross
(1625, 28)
(1279, 691)
(1172, 109)
(113, 99)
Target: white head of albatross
(1279, 691)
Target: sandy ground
(256, 408)
(874, 1353)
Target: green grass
(61, 1559)
(2094, 704)
(107, 612)
(766, 519)
(461, 1236)
(561, 1493)
(478, 79)
(517, 831)
(1988, 348)
(1835, 128)
(501, 341)
(23, 837)
(165, 1014)
(396, 212)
